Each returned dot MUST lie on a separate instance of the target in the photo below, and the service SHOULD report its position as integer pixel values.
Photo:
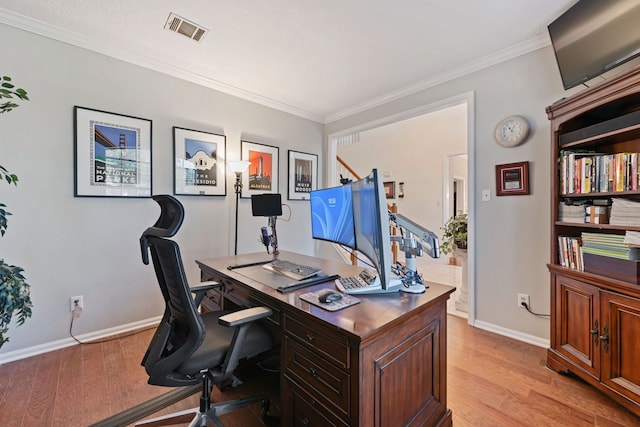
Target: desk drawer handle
(313, 372)
(310, 337)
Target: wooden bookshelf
(595, 318)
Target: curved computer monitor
(332, 215)
(371, 220)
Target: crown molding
(74, 39)
(514, 51)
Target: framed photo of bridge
(262, 176)
(199, 163)
(112, 154)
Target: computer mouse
(329, 297)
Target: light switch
(486, 195)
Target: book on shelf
(569, 252)
(609, 245)
(624, 212)
(593, 211)
(590, 172)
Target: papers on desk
(314, 298)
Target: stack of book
(612, 256)
(625, 212)
(571, 213)
(609, 245)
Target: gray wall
(89, 246)
(511, 233)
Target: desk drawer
(300, 409)
(323, 380)
(243, 297)
(212, 301)
(322, 341)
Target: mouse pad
(314, 298)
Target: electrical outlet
(76, 301)
(523, 298)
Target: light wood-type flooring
(492, 381)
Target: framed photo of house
(303, 175)
(199, 163)
(262, 176)
(512, 179)
(389, 189)
(112, 154)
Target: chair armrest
(244, 316)
(201, 289)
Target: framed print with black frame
(112, 154)
(303, 175)
(199, 163)
(262, 176)
(512, 179)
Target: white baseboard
(68, 342)
(516, 335)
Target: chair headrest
(167, 225)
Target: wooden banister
(391, 206)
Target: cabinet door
(577, 323)
(621, 348)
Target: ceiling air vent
(180, 25)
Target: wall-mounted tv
(594, 36)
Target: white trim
(74, 39)
(516, 335)
(468, 98)
(68, 342)
(503, 55)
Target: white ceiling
(320, 59)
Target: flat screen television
(595, 36)
(332, 215)
(371, 220)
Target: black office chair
(188, 347)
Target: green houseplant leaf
(15, 293)
(455, 234)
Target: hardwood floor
(492, 381)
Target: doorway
(454, 195)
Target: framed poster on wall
(303, 175)
(262, 176)
(112, 154)
(199, 163)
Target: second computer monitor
(371, 219)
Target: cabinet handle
(313, 372)
(310, 337)
(594, 332)
(605, 338)
(305, 421)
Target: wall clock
(512, 131)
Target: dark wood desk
(382, 362)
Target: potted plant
(454, 241)
(15, 294)
(455, 234)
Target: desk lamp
(238, 167)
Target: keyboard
(366, 282)
(293, 270)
